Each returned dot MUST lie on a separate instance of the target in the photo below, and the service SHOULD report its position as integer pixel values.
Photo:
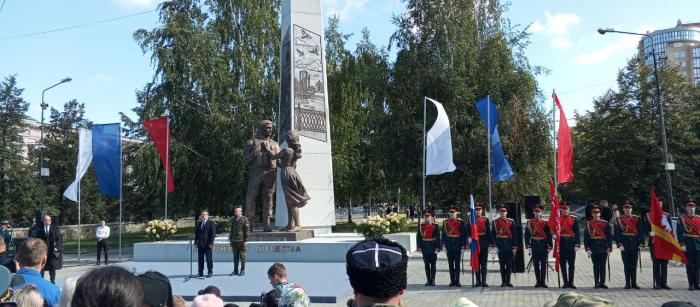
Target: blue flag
(106, 154)
(489, 115)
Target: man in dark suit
(204, 234)
(52, 237)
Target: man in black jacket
(52, 237)
(204, 235)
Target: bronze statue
(295, 195)
(260, 158)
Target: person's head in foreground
(156, 289)
(207, 300)
(28, 296)
(110, 286)
(377, 271)
(32, 254)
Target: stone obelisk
(304, 107)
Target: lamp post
(45, 172)
(668, 167)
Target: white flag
(438, 144)
(84, 159)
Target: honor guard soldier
(689, 237)
(454, 238)
(569, 243)
(538, 241)
(483, 227)
(660, 266)
(504, 228)
(598, 244)
(629, 237)
(429, 245)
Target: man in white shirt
(102, 233)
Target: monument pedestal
(280, 236)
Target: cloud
(139, 4)
(556, 27)
(623, 43)
(101, 79)
(561, 43)
(344, 11)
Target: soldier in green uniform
(238, 238)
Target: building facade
(680, 46)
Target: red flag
(159, 131)
(565, 151)
(554, 222)
(665, 244)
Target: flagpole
(424, 119)
(121, 167)
(488, 148)
(167, 159)
(79, 233)
(554, 141)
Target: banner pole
(79, 232)
(167, 160)
(554, 142)
(121, 168)
(488, 150)
(424, 150)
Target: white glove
(683, 247)
(578, 248)
(529, 251)
(554, 237)
(622, 248)
(589, 253)
(651, 234)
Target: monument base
(320, 248)
(280, 236)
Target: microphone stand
(191, 275)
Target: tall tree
(18, 180)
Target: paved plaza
(523, 294)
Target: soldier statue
(630, 238)
(259, 158)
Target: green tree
(18, 180)
(618, 144)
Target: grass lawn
(90, 245)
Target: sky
(107, 66)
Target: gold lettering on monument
(278, 249)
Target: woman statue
(294, 192)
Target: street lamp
(43, 172)
(668, 167)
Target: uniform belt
(433, 239)
(632, 234)
(503, 237)
(537, 238)
(596, 238)
(453, 236)
(691, 236)
(567, 236)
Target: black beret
(377, 267)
